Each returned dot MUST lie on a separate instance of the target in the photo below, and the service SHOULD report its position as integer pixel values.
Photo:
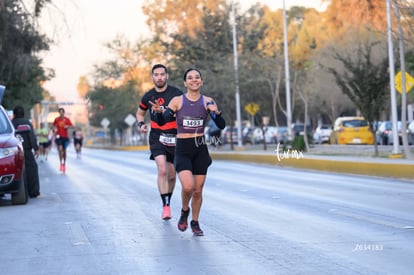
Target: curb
(396, 170)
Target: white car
(322, 134)
(270, 135)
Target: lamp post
(236, 77)
(395, 149)
(287, 75)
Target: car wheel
(22, 195)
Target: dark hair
(18, 112)
(189, 70)
(61, 109)
(157, 66)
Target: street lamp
(287, 75)
(395, 149)
(236, 75)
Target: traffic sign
(409, 82)
(252, 108)
(105, 122)
(130, 120)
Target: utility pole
(236, 77)
(287, 76)
(395, 149)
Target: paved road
(103, 217)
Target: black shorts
(44, 144)
(157, 149)
(77, 141)
(192, 154)
(61, 141)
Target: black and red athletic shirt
(163, 99)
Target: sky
(81, 27)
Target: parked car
(381, 134)
(270, 133)
(399, 128)
(229, 136)
(410, 132)
(12, 175)
(298, 129)
(281, 134)
(351, 130)
(322, 134)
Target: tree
(21, 68)
(363, 80)
(114, 104)
(211, 50)
(117, 84)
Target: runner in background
(42, 139)
(78, 141)
(61, 124)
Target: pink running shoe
(166, 213)
(182, 223)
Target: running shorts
(192, 154)
(157, 148)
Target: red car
(12, 176)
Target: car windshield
(5, 127)
(355, 123)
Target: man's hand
(155, 107)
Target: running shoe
(182, 223)
(166, 212)
(63, 168)
(195, 227)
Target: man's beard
(162, 85)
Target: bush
(299, 143)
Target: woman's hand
(212, 107)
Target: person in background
(78, 141)
(61, 124)
(50, 140)
(31, 150)
(42, 138)
(161, 138)
(192, 158)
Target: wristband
(140, 124)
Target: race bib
(192, 122)
(167, 140)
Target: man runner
(161, 138)
(61, 125)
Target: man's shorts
(192, 154)
(61, 141)
(157, 149)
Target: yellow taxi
(351, 130)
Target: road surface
(104, 217)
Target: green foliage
(114, 104)
(20, 67)
(409, 59)
(211, 51)
(299, 143)
(363, 81)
